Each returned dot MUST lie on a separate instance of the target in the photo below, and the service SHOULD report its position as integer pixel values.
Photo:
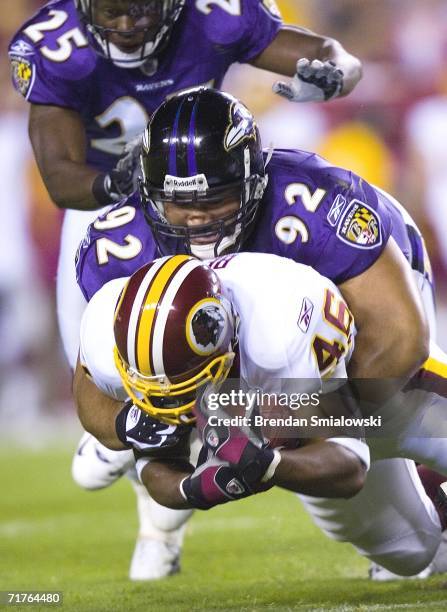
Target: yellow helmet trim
(141, 388)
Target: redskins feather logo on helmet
(173, 332)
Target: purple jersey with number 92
(312, 212)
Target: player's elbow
(413, 337)
(353, 479)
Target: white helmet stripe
(163, 312)
(136, 308)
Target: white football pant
(391, 521)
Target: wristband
(272, 467)
(101, 190)
(140, 464)
(356, 446)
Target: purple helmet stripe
(173, 142)
(191, 153)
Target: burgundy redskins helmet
(173, 332)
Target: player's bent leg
(424, 438)
(160, 538)
(391, 521)
(95, 466)
(438, 565)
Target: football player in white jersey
(300, 329)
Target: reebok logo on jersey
(338, 206)
(360, 226)
(305, 317)
(20, 47)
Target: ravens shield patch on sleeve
(360, 226)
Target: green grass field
(259, 554)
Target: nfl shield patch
(22, 73)
(360, 226)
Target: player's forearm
(97, 411)
(320, 469)
(292, 43)
(70, 185)
(393, 334)
(396, 353)
(59, 143)
(162, 479)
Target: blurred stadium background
(392, 130)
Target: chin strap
(207, 251)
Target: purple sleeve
(112, 248)
(245, 29)
(357, 227)
(51, 59)
(322, 216)
(262, 25)
(87, 266)
(41, 86)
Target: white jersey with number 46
(293, 324)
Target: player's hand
(213, 483)
(122, 180)
(150, 437)
(313, 82)
(239, 447)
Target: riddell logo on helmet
(187, 183)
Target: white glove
(122, 180)
(129, 162)
(313, 82)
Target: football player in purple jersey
(208, 189)
(94, 71)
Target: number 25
(63, 52)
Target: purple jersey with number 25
(312, 213)
(53, 63)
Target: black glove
(122, 181)
(150, 437)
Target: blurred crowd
(392, 130)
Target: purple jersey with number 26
(53, 63)
(311, 212)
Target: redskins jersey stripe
(432, 376)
